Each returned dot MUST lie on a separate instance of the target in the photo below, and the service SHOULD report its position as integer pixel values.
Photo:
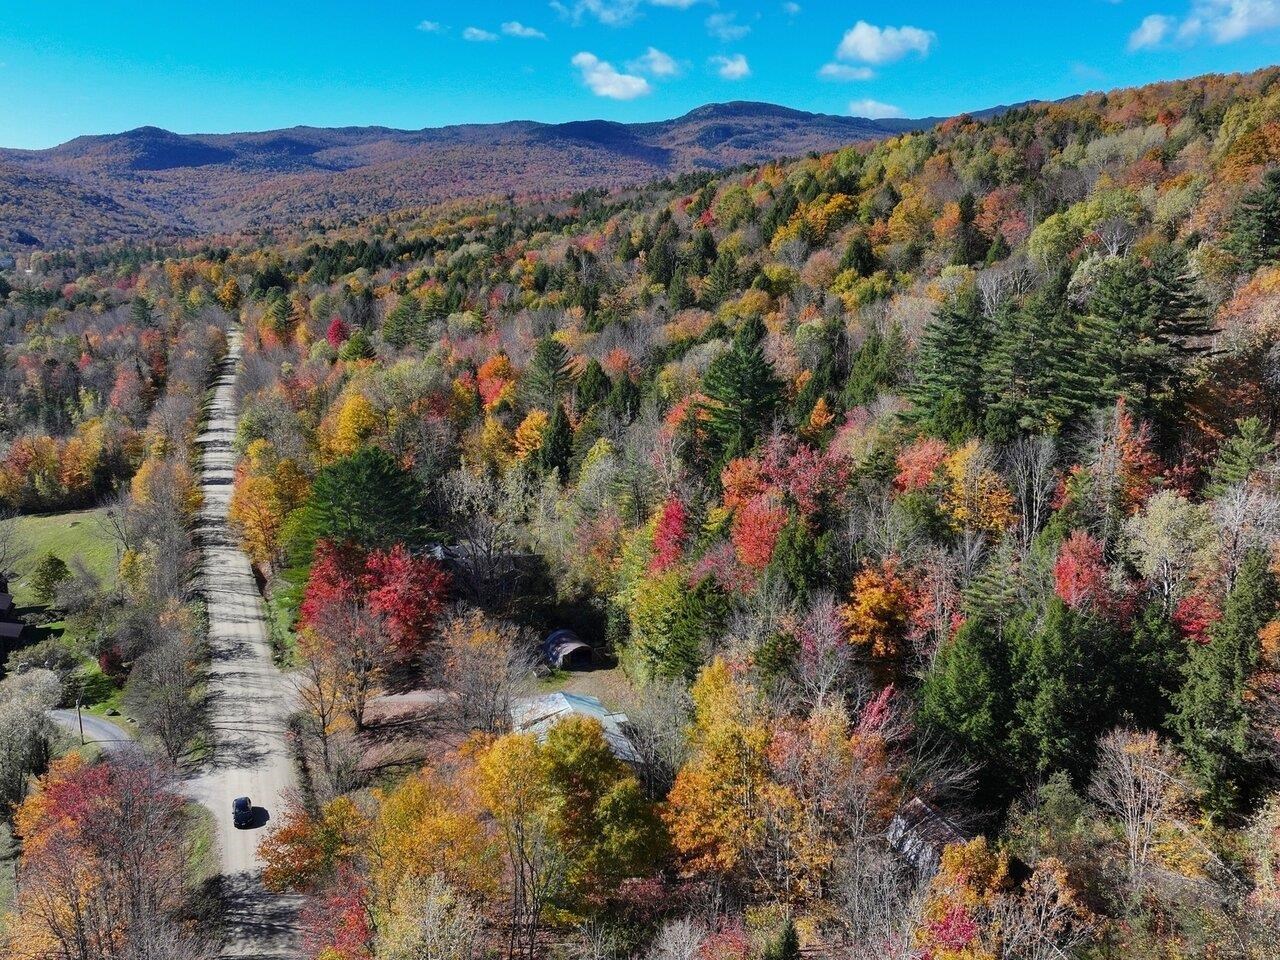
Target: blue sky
(98, 66)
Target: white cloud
(725, 27)
(866, 43)
(1087, 72)
(1220, 21)
(604, 79)
(430, 26)
(612, 13)
(476, 35)
(655, 63)
(734, 67)
(514, 28)
(874, 109)
(1229, 20)
(1150, 32)
(793, 9)
(845, 71)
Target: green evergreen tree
(548, 375)
(366, 499)
(859, 257)
(664, 251)
(697, 615)
(743, 393)
(1181, 313)
(1120, 327)
(1241, 456)
(950, 380)
(1255, 233)
(998, 250)
(1153, 664)
(403, 323)
(722, 281)
(49, 573)
(875, 366)
(679, 296)
(140, 314)
(276, 314)
(786, 945)
(1211, 717)
(965, 693)
(992, 594)
(1144, 326)
(357, 347)
(556, 450)
(804, 561)
(592, 387)
(702, 249)
(432, 307)
(970, 245)
(626, 251)
(1065, 689)
(624, 399)
(1038, 378)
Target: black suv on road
(242, 812)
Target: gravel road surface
(250, 702)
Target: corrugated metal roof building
(539, 714)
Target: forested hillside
(922, 499)
(148, 183)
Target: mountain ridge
(153, 183)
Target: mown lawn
(77, 533)
(74, 535)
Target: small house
(918, 834)
(564, 650)
(539, 714)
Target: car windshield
(242, 803)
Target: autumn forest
(870, 554)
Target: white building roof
(539, 714)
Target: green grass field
(78, 533)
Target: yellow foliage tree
(427, 826)
(267, 489)
(820, 418)
(713, 811)
(229, 294)
(528, 437)
(976, 498)
(878, 611)
(356, 421)
(491, 445)
(167, 480)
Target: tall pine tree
(1255, 235)
(1145, 325)
(1038, 378)
(1211, 717)
(948, 392)
(1240, 456)
(743, 394)
(548, 375)
(556, 450)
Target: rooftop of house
(539, 714)
(919, 832)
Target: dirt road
(250, 701)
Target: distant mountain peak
(149, 182)
(731, 109)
